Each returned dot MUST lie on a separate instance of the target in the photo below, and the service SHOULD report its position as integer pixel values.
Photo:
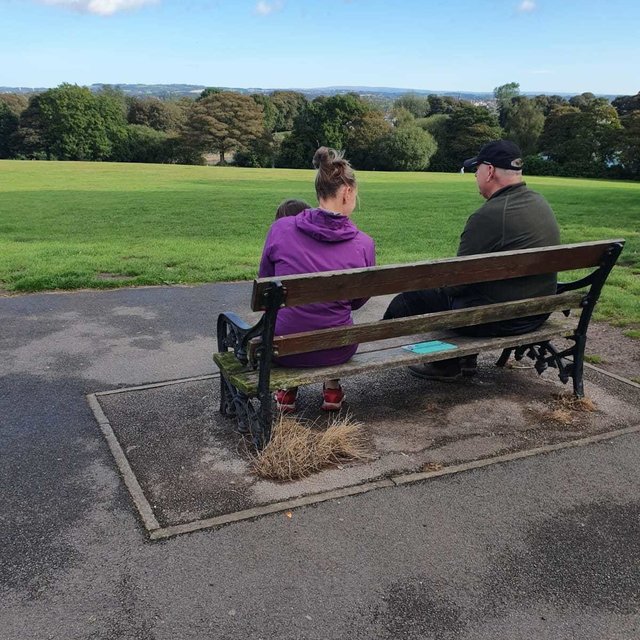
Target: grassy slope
(62, 225)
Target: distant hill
(384, 93)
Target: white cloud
(527, 6)
(100, 7)
(265, 7)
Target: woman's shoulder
(365, 238)
(283, 224)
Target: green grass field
(76, 225)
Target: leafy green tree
(462, 135)
(115, 96)
(16, 102)
(180, 152)
(561, 128)
(324, 121)
(444, 104)
(8, 127)
(288, 105)
(548, 103)
(337, 117)
(406, 148)
(260, 152)
(415, 104)
(602, 121)
(583, 140)
(209, 91)
(154, 113)
(583, 100)
(625, 105)
(434, 124)
(69, 123)
(363, 139)
(28, 141)
(505, 95)
(223, 122)
(524, 123)
(112, 107)
(141, 143)
(630, 144)
(402, 117)
(12, 105)
(269, 111)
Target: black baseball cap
(503, 154)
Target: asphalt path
(544, 547)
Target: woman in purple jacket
(322, 239)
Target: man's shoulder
(532, 196)
(508, 198)
(519, 194)
(517, 189)
(487, 208)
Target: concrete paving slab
(187, 468)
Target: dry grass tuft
(566, 407)
(562, 416)
(569, 402)
(297, 450)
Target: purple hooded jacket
(315, 240)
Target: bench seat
(386, 354)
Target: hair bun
(323, 155)
(333, 172)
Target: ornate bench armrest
(234, 333)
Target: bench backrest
(362, 283)
(351, 284)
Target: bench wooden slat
(383, 329)
(388, 356)
(375, 281)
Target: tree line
(583, 135)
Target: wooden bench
(245, 353)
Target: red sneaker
(333, 399)
(286, 400)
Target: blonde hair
(333, 172)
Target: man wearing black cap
(513, 217)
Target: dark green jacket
(513, 218)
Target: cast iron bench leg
(578, 366)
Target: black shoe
(469, 365)
(437, 371)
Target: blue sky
(467, 45)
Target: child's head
(291, 208)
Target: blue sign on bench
(433, 346)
